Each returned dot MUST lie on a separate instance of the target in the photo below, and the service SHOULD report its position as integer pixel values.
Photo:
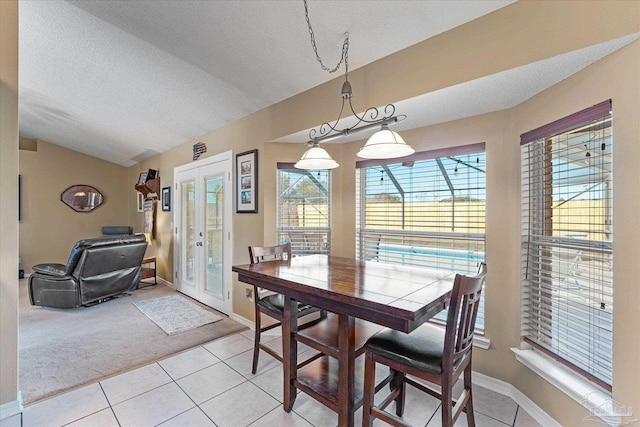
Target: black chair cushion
(422, 348)
(275, 304)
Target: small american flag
(198, 149)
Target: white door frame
(224, 161)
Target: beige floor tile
(104, 418)
(419, 407)
(210, 382)
(13, 421)
(239, 406)
(192, 418)
(278, 417)
(153, 407)
(314, 412)
(271, 381)
(148, 396)
(266, 336)
(66, 408)
(244, 361)
(481, 420)
(276, 345)
(230, 346)
(495, 405)
(186, 363)
(523, 419)
(133, 383)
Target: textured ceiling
(125, 80)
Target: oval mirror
(82, 198)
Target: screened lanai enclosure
(567, 211)
(304, 209)
(426, 212)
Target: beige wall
(546, 28)
(49, 228)
(8, 201)
(615, 77)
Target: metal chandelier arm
(322, 129)
(353, 130)
(382, 144)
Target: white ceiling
(124, 80)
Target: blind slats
(567, 251)
(304, 210)
(427, 210)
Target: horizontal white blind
(428, 213)
(304, 210)
(567, 260)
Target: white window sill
(598, 402)
(480, 341)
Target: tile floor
(212, 385)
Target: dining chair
(430, 353)
(273, 305)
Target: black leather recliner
(96, 269)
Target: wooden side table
(148, 271)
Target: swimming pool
(464, 261)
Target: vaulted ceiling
(125, 80)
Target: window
(304, 209)
(567, 251)
(428, 211)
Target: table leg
(346, 363)
(289, 350)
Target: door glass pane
(214, 224)
(188, 230)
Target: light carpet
(175, 313)
(61, 349)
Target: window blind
(428, 210)
(567, 253)
(304, 209)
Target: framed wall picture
(166, 199)
(247, 182)
(142, 178)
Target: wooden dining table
(398, 297)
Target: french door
(202, 244)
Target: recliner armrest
(59, 270)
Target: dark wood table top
(399, 297)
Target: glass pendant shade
(316, 158)
(385, 144)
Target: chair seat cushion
(275, 304)
(422, 348)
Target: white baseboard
(167, 283)
(520, 398)
(10, 409)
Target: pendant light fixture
(384, 144)
(316, 158)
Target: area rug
(62, 349)
(175, 313)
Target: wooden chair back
(461, 319)
(258, 254)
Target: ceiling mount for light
(384, 144)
